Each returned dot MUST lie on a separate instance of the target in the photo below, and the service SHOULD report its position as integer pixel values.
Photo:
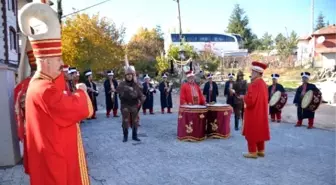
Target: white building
(9, 45)
(321, 45)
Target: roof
(307, 37)
(326, 30)
(325, 50)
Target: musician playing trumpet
(300, 92)
(274, 112)
(165, 89)
(92, 91)
(148, 91)
(228, 93)
(210, 90)
(111, 98)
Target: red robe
(256, 124)
(20, 91)
(55, 148)
(186, 95)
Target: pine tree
(266, 42)
(238, 24)
(320, 22)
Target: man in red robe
(54, 144)
(19, 100)
(256, 124)
(190, 93)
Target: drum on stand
(278, 100)
(218, 120)
(191, 123)
(311, 100)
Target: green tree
(266, 42)
(208, 61)
(144, 48)
(92, 42)
(174, 50)
(286, 46)
(145, 45)
(238, 24)
(320, 22)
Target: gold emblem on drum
(283, 100)
(189, 127)
(225, 113)
(180, 116)
(316, 99)
(214, 125)
(201, 116)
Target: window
(12, 38)
(204, 38)
(191, 38)
(218, 38)
(175, 37)
(11, 5)
(222, 38)
(238, 37)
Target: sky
(209, 16)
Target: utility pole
(312, 31)
(179, 16)
(312, 16)
(59, 10)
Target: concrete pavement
(294, 156)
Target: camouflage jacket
(240, 87)
(130, 94)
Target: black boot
(125, 132)
(135, 134)
(236, 123)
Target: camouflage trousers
(238, 109)
(130, 116)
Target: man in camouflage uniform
(240, 88)
(131, 97)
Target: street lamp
(182, 54)
(182, 58)
(182, 62)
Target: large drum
(278, 100)
(191, 123)
(311, 100)
(218, 120)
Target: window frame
(13, 39)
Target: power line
(85, 8)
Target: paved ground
(295, 156)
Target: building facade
(9, 45)
(321, 45)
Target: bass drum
(311, 100)
(278, 100)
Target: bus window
(175, 37)
(191, 38)
(204, 38)
(229, 38)
(217, 38)
(238, 37)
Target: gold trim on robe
(81, 157)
